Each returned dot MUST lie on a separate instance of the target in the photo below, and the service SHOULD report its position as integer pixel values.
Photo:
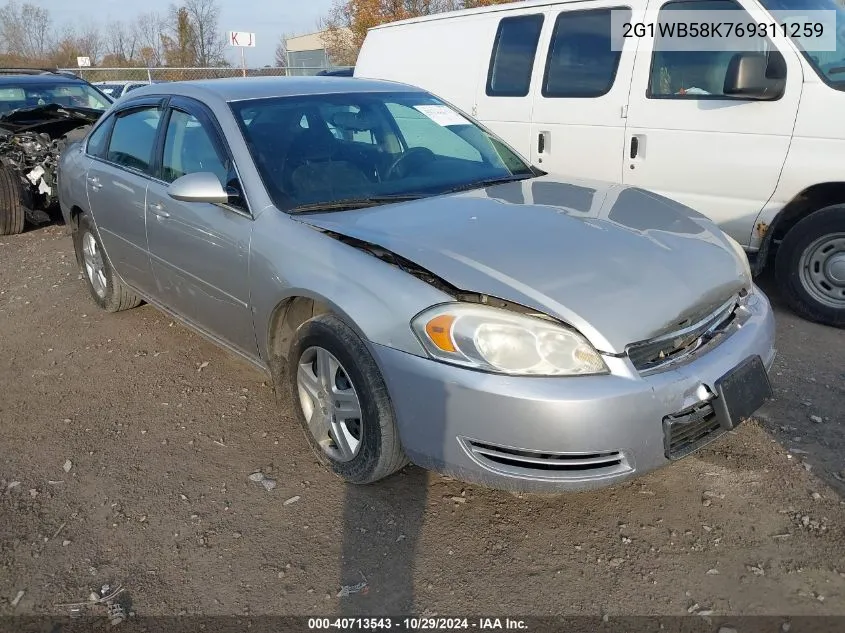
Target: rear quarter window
(98, 139)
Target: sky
(268, 19)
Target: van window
(692, 74)
(513, 56)
(582, 59)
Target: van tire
(805, 293)
(12, 217)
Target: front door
(200, 251)
(721, 155)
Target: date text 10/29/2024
(416, 624)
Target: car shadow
(377, 580)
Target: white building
(307, 54)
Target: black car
(40, 112)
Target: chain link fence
(159, 74)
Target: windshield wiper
(837, 70)
(481, 184)
(354, 203)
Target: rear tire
(810, 267)
(372, 449)
(12, 217)
(108, 292)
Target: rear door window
(512, 61)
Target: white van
(755, 141)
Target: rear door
(200, 251)
(581, 95)
(117, 178)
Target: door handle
(158, 209)
(94, 182)
(541, 143)
(635, 146)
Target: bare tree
(25, 30)
(282, 52)
(210, 44)
(121, 42)
(89, 41)
(148, 29)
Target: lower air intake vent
(544, 464)
(688, 430)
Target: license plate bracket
(741, 392)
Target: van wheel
(342, 402)
(11, 207)
(108, 292)
(810, 266)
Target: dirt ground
(126, 445)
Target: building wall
(307, 62)
(307, 54)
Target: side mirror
(756, 75)
(201, 186)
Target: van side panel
(817, 152)
(444, 57)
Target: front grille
(652, 354)
(545, 464)
(688, 430)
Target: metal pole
(243, 60)
(149, 75)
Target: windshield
(29, 95)
(326, 149)
(830, 65)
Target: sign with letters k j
(242, 39)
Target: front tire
(108, 292)
(12, 211)
(342, 402)
(810, 266)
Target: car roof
(20, 78)
(247, 88)
(120, 82)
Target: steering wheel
(404, 157)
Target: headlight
(743, 257)
(504, 342)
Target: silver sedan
(423, 292)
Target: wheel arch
(808, 201)
(290, 312)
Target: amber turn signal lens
(439, 330)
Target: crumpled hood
(50, 118)
(618, 263)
